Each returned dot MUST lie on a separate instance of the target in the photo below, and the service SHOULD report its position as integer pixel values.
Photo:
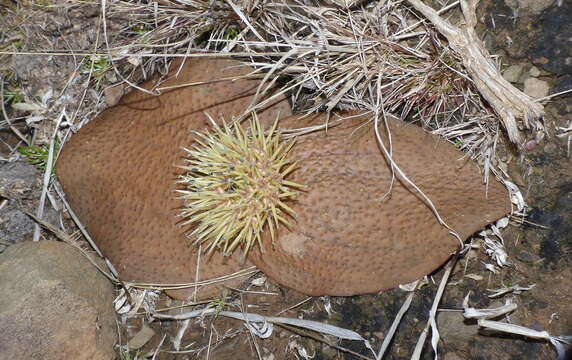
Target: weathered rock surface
(551, 49)
(20, 188)
(513, 73)
(54, 304)
(536, 88)
(455, 330)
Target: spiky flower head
(236, 185)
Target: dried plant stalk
(508, 102)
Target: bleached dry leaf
(34, 119)
(502, 222)
(27, 107)
(389, 336)
(262, 325)
(474, 277)
(259, 281)
(121, 304)
(183, 325)
(261, 329)
(490, 267)
(141, 298)
(566, 132)
(432, 322)
(560, 343)
(516, 289)
(47, 97)
(493, 247)
(472, 313)
(515, 195)
(138, 297)
(414, 285)
(298, 349)
(327, 305)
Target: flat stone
(454, 329)
(536, 88)
(512, 73)
(54, 304)
(18, 179)
(534, 71)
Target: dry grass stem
(242, 273)
(508, 102)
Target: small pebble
(536, 88)
(534, 71)
(530, 145)
(513, 73)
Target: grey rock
(20, 189)
(18, 179)
(534, 71)
(15, 226)
(455, 330)
(536, 88)
(513, 73)
(54, 304)
(18, 184)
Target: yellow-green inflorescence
(236, 185)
